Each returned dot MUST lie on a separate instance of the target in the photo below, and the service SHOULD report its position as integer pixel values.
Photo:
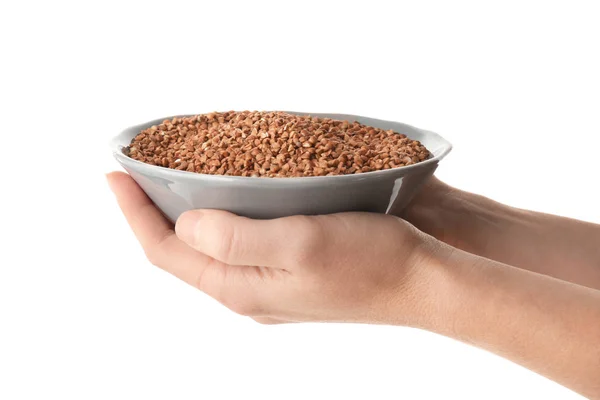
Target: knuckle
(201, 282)
(152, 257)
(226, 243)
(155, 252)
(309, 238)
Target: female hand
(355, 267)
(372, 268)
(560, 247)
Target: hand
(353, 267)
(529, 240)
(460, 219)
(372, 268)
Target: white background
(514, 86)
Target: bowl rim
(116, 147)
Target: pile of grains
(272, 144)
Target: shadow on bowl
(386, 191)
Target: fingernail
(187, 225)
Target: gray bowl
(387, 191)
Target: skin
(560, 247)
(380, 269)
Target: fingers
(242, 241)
(149, 226)
(238, 288)
(156, 235)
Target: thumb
(229, 238)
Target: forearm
(560, 247)
(549, 326)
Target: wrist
(451, 290)
(440, 277)
(468, 295)
(434, 277)
(464, 220)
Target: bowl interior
(437, 145)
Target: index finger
(155, 233)
(227, 284)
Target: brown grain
(272, 144)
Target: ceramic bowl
(386, 191)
